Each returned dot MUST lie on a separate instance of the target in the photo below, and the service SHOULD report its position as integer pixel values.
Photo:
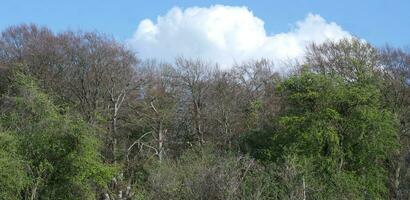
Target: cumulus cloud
(227, 34)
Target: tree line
(82, 117)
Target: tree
(396, 67)
(88, 71)
(13, 176)
(191, 77)
(59, 151)
(339, 131)
(356, 60)
(351, 59)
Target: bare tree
(352, 59)
(191, 76)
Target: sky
(225, 31)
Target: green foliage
(13, 178)
(60, 150)
(328, 132)
(335, 128)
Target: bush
(203, 173)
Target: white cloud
(226, 35)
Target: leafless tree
(191, 77)
(349, 58)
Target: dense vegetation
(81, 117)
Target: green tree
(339, 132)
(60, 151)
(13, 178)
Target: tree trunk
(160, 142)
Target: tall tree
(60, 152)
(396, 66)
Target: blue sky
(374, 20)
(226, 32)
